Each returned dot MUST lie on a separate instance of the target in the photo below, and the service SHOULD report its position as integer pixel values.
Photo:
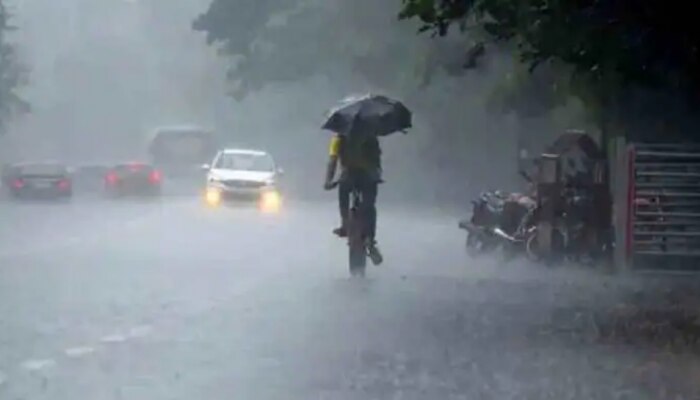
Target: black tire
(531, 248)
(357, 249)
(557, 256)
(474, 245)
(479, 245)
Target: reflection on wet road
(170, 300)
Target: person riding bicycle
(360, 160)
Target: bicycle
(358, 241)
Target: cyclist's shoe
(374, 254)
(340, 231)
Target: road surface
(170, 300)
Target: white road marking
(76, 352)
(37, 365)
(116, 338)
(140, 331)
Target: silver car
(242, 175)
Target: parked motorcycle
(498, 220)
(486, 215)
(568, 233)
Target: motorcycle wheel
(532, 252)
(476, 245)
(473, 244)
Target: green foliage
(531, 93)
(610, 45)
(235, 23)
(275, 41)
(12, 75)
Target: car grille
(241, 196)
(241, 184)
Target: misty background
(103, 73)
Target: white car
(243, 175)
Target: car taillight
(111, 178)
(18, 183)
(64, 184)
(155, 177)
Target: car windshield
(245, 162)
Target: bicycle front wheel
(357, 248)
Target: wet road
(170, 300)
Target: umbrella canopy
(368, 115)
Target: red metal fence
(661, 219)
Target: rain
(172, 178)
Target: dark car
(37, 180)
(135, 178)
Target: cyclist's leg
(369, 189)
(369, 199)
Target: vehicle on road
(39, 180)
(499, 220)
(569, 240)
(133, 179)
(243, 176)
(358, 240)
(179, 151)
(486, 212)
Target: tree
(624, 55)
(12, 74)
(287, 41)
(272, 41)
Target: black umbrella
(369, 114)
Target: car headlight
(270, 201)
(212, 196)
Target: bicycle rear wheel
(357, 248)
